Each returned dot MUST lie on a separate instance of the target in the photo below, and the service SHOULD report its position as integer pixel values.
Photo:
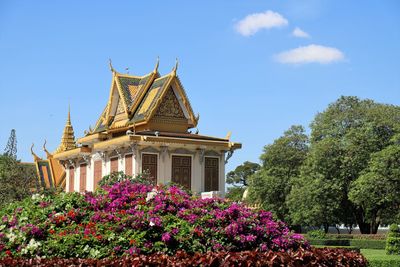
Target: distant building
(144, 128)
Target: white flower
(32, 245)
(152, 224)
(151, 194)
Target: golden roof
(135, 100)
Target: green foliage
(393, 240)
(281, 163)
(11, 148)
(343, 145)
(117, 177)
(376, 191)
(16, 179)
(361, 243)
(235, 193)
(316, 234)
(241, 174)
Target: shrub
(313, 257)
(356, 236)
(128, 217)
(360, 243)
(393, 240)
(368, 244)
(316, 234)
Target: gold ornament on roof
(68, 137)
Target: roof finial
(111, 66)
(69, 114)
(45, 150)
(35, 157)
(157, 63)
(175, 67)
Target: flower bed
(130, 218)
(301, 257)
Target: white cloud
(257, 21)
(310, 54)
(297, 32)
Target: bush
(316, 234)
(368, 244)
(360, 243)
(129, 218)
(356, 236)
(313, 257)
(393, 240)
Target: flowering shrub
(128, 217)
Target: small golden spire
(157, 64)
(175, 67)
(68, 137)
(35, 157)
(110, 65)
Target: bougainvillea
(129, 218)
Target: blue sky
(242, 66)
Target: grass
(378, 257)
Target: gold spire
(68, 138)
(111, 66)
(156, 67)
(175, 67)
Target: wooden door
(149, 165)
(97, 172)
(182, 170)
(211, 174)
(128, 165)
(71, 179)
(82, 178)
(114, 165)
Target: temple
(145, 127)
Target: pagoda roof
(134, 100)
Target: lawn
(378, 257)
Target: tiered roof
(141, 101)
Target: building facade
(145, 127)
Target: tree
(343, 139)
(11, 148)
(313, 200)
(377, 190)
(281, 162)
(238, 178)
(16, 179)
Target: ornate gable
(170, 107)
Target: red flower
(51, 231)
(131, 242)
(99, 237)
(9, 253)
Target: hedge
(361, 243)
(314, 257)
(356, 236)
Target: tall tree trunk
(365, 228)
(326, 227)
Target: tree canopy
(345, 172)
